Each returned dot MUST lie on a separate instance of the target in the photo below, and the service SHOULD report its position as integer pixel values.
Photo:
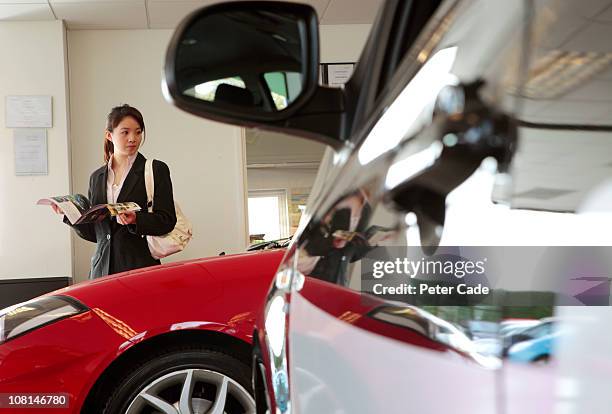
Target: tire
(171, 380)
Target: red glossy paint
(219, 293)
(353, 307)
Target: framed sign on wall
(30, 146)
(28, 112)
(335, 74)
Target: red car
(171, 338)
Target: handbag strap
(149, 184)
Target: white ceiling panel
(102, 15)
(167, 14)
(53, 2)
(554, 169)
(590, 100)
(204, 2)
(572, 111)
(25, 12)
(351, 11)
(567, 119)
(553, 33)
(319, 5)
(160, 14)
(595, 90)
(556, 27)
(23, 2)
(179, 3)
(532, 106)
(605, 75)
(605, 16)
(604, 113)
(586, 8)
(594, 38)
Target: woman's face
(126, 137)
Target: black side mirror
(244, 63)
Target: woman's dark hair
(116, 115)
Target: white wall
(280, 178)
(265, 147)
(112, 67)
(107, 68)
(342, 42)
(33, 241)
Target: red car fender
(219, 294)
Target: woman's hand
(127, 218)
(56, 209)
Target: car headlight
(24, 317)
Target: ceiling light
(558, 72)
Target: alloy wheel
(193, 391)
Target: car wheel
(184, 381)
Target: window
(268, 215)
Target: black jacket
(120, 247)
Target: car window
(410, 19)
(538, 331)
(207, 90)
(403, 26)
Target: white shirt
(112, 190)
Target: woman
(121, 242)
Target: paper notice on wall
(339, 74)
(30, 151)
(28, 112)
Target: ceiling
(158, 14)
(557, 169)
(576, 27)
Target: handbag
(177, 239)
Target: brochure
(78, 209)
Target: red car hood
(216, 290)
(209, 271)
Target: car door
(349, 348)
(424, 136)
